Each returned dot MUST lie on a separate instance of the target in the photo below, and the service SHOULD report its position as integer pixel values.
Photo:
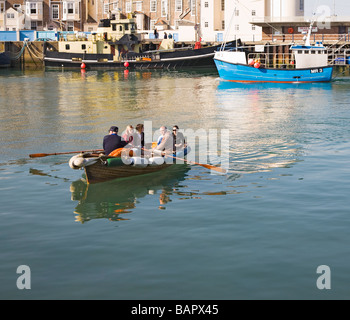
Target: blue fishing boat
(305, 63)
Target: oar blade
(210, 167)
(38, 155)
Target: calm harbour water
(258, 232)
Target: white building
(238, 18)
(284, 9)
(231, 19)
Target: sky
(342, 7)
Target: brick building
(84, 15)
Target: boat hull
(175, 59)
(243, 73)
(99, 172)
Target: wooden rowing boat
(101, 168)
(99, 172)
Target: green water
(258, 232)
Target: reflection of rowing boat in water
(111, 199)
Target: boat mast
(222, 48)
(307, 40)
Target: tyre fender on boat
(139, 162)
(156, 161)
(78, 161)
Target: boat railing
(299, 37)
(273, 60)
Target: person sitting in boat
(112, 141)
(166, 144)
(128, 134)
(179, 141)
(139, 136)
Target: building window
(223, 24)
(33, 25)
(105, 8)
(206, 4)
(254, 13)
(153, 5)
(33, 8)
(152, 24)
(139, 6)
(178, 5)
(70, 26)
(10, 16)
(236, 13)
(55, 12)
(164, 8)
(70, 6)
(83, 47)
(2, 7)
(128, 6)
(222, 5)
(237, 27)
(193, 7)
(301, 5)
(206, 24)
(67, 47)
(253, 28)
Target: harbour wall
(27, 54)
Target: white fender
(156, 161)
(77, 162)
(139, 162)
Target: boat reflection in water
(111, 200)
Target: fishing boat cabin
(115, 36)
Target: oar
(40, 155)
(208, 166)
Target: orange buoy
(257, 65)
(83, 66)
(290, 30)
(126, 64)
(251, 62)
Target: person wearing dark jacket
(112, 141)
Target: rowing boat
(101, 168)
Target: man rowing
(113, 141)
